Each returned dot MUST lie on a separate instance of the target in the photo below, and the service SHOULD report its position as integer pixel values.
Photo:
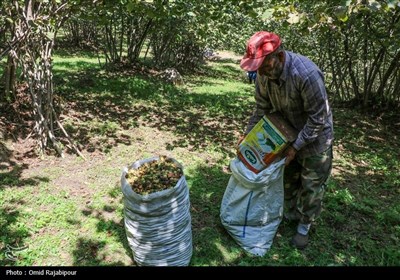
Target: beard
(275, 72)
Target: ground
(77, 203)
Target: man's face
(272, 66)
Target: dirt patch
(225, 56)
(229, 55)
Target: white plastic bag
(252, 206)
(158, 225)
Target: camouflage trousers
(305, 182)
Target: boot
(300, 241)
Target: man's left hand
(290, 154)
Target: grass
(69, 212)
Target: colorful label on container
(262, 145)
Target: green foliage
(352, 41)
(349, 41)
(69, 212)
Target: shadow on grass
(97, 253)
(13, 240)
(361, 202)
(12, 178)
(12, 236)
(212, 245)
(89, 253)
(108, 103)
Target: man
(251, 75)
(293, 85)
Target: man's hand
(240, 139)
(290, 154)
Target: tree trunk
(392, 69)
(349, 60)
(365, 62)
(139, 44)
(10, 79)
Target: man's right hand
(241, 139)
(290, 154)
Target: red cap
(259, 45)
